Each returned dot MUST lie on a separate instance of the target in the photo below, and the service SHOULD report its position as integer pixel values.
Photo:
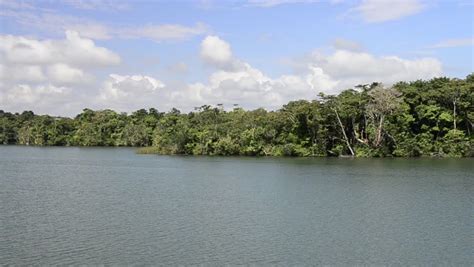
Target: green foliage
(455, 144)
(420, 118)
(148, 150)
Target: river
(67, 205)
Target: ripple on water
(68, 206)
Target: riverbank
(157, 151)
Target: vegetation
(421, 118)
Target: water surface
(111, 206)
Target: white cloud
(61, 73)
(241, 83)
(251, 88)
(454, 43)
(45, 98)
(384, 10)
(129, 92)
(328, 73)
(74, 50)
(26, 94)
(216, 51)
(352, 68)
(83, 51)
(18, 73)
(38, 74)
(320, 81)
(122, 87)
(346, 67)
(248, 86)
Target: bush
(148, 150)
(456, 144)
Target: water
(111, 206)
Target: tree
(419, 118)
(382, 102)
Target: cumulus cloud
(247, 86)
(22, 73)
(61, 73)
(39, 74)
(26, 94)
(328, 73)
(58, 62)
(128, 92)
(373, 11)
(352, 68)
(74, 50)
(40, 98)
(233, 81)
(216, 51)
(251, 88)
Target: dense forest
(420, 118)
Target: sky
(59, 57)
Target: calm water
(111, 206)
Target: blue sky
(187, 53)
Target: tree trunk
(379, 131)
(344, 132)
(454, 113)
(358, 137)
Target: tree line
(409, 119)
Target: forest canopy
(409, 119)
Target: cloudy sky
(58, 57)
